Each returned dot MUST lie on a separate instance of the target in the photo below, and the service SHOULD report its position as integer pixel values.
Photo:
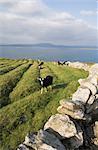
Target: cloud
(7, 3)
(88, 13)
(32, 7)
(34, 22)
(24, 7)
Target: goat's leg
(50, 87)
(42, 89)
(46, 89)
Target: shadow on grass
(60, 85)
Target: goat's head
(39, 79)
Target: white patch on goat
(41, 82)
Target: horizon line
(45, 44)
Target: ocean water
(50, 53)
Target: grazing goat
(47, 81)
(64, 63)
(60, 63)
(40, 65)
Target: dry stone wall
(75, 126)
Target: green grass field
(22, 107)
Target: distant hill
(49, 45)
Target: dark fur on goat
(60, 63)
(47, 81)
(40, 65)
(64, 63)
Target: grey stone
(75, 141)
(76, 113)
(71, 105)
(93, 107)
(61, 126)
(91, 78)
(91, 100)
(30, 140)
(79, 65)
(50, 140)
(22, 147)
(90, 86)
(82, 94)
(46, 147)
(94, 69)
(96, 133)
(43, 141)
(96, 96)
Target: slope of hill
(23, 107)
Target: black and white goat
(47, 81)
(40, 65)
(62, 63)
(65, 62)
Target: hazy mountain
(49, 45)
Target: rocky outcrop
(75, 126)
(72, 109)
(78, 65)
(82, 95)
(57, 125)
(43, 140)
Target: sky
(63, 22)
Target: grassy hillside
(23, 107)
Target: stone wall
(75, 127)
(78, 65)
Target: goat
(65, 62)
(60, 63)
(40, 65)
(47, 81)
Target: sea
(46, 53)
